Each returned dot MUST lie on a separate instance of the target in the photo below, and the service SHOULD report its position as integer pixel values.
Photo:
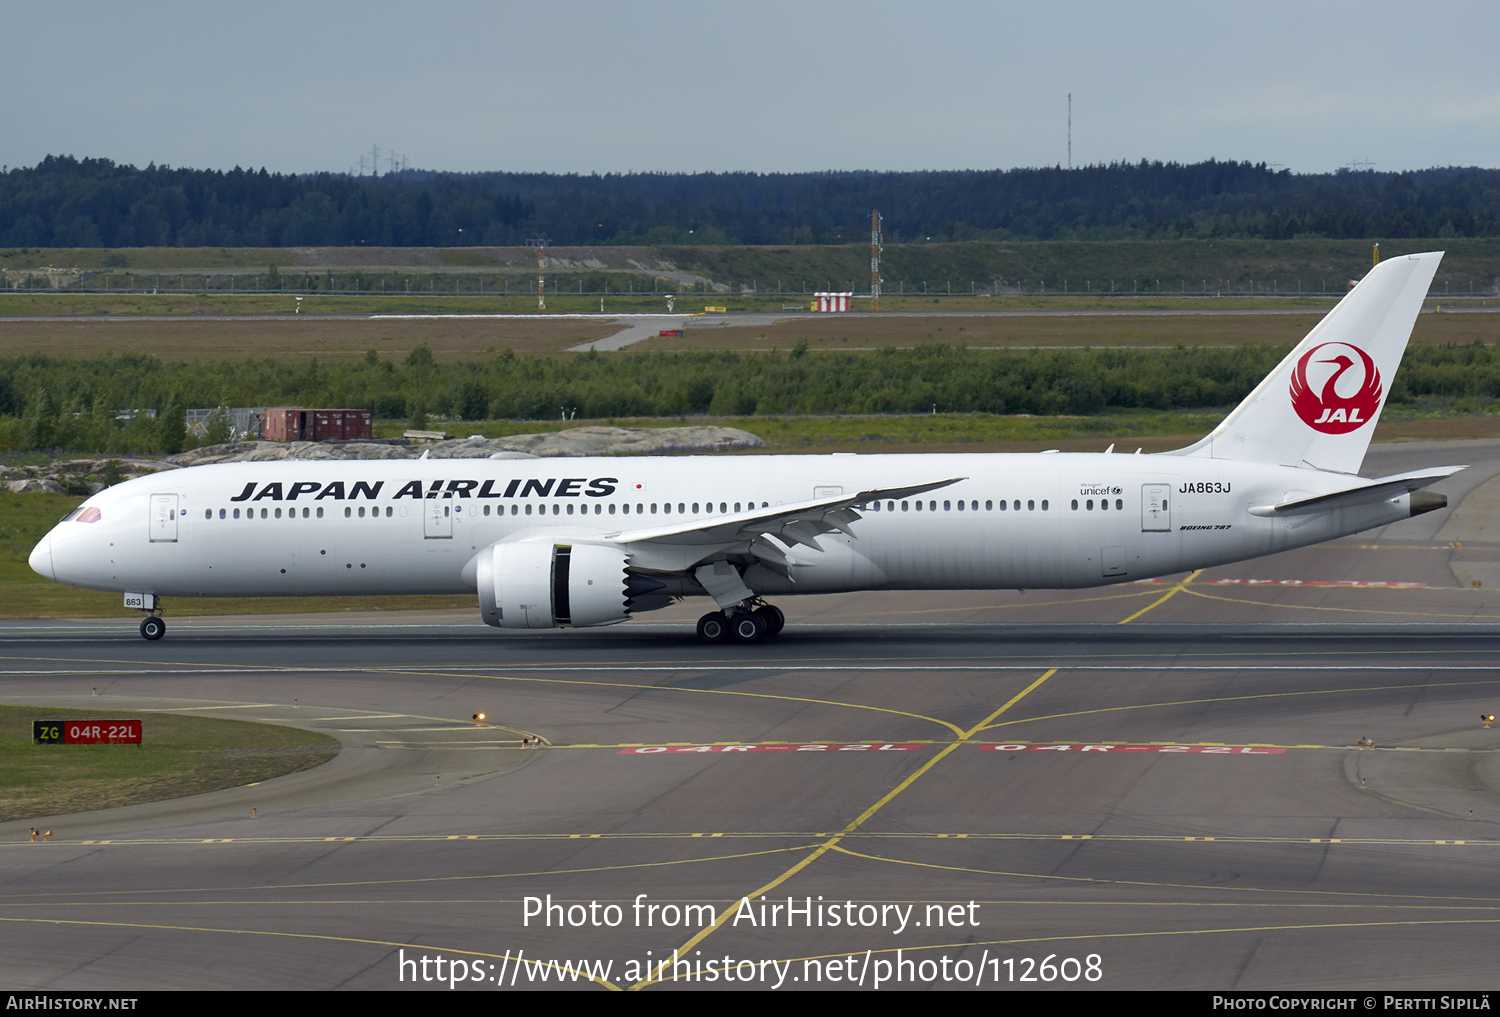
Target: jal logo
(1336, 388)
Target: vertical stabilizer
(1317, 409)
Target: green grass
(63, 302)
(837, 265)
(835, 432)
(177, 756)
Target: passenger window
(1017, 505)
(515, 510)
(989, 506)
(932, 506)
(236, 513)
(528, 510)
(695, 508)
(736, 506)
(486, 510)
(1089, 504)
(570, 508)
(1103, 504)
(362, 511)
(1119, 504)
(611, 508)
(263, 513)
(1075, 504)
(208, 513)
(903, 506)
(919, 506)
(320, 511)
(1044, 504)
(1031, 506)
(947, 506)
(348, 512)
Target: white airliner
(579, 542)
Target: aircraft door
(164, 519)
(437, 519)
(1156, 507)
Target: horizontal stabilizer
(1377, 490)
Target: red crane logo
(1326, 410)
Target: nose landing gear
(155, 626)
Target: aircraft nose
(41, 558)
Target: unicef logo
(1341, 397)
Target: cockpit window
(89, 515)
(71, 516)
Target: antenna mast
(540, 244)
(1070, 130)
(876, 246)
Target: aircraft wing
(801, 521)
(679, 546)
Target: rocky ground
(86, 476)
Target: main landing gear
(741, 624)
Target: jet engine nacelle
(546, 585)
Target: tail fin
(1318, 408)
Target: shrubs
(72, 401)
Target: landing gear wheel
(748, 628)
(772, 616)
(153, 628)
(713, 627)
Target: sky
(762, 85)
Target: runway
(1152, 785)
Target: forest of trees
(69, 202)
(72, 403)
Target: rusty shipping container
(286, 423)
(297, 424)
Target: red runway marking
(652, 750)
(1217, 750)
